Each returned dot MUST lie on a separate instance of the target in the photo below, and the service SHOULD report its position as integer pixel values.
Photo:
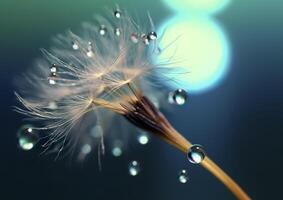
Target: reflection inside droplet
(196, 154)
(27, 137)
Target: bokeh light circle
(198, 50)
(198, 6)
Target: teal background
(239, 122)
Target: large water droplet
(180, 97)
(183, 176)
(102, 30)
(134, 168)
(27, 137)
(143, 139)
(117, 14)
(196, 154)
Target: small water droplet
(53, 68)
(52, 78)
(27, 137)
(180, 97)
(183, 176)
(117, 14)
(134, 38)
(75, 45)
(134, 168)
(89, 53)
(117, 149)
(145, 39)
(86, 149)
(143, 139)
(117, 31)
(152, 35)
(196, 154)
(52, 105)
(102, 30)
(96, 131)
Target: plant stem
(184, 145)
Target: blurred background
(237, 117)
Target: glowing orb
(198, 6)
(198, 50)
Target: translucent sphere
(180, 97)
(183, 176)
(143, 139)
(134, 168)
(196, 154)
(27, 137)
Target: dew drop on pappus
(102, 30)
(145, 39)
(134, 38)
(134, 168)
(179, 96)
(52, 78)
(53, 68)
(117, 31)
(75, 45)
(117, 14)
(196, 154)
(183, 176)
(27, 137)
(152, 35)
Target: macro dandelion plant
(98, 76)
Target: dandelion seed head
(104, 76)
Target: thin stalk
(184, 145)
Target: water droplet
(144, 39)
(86, 149)
(170, 98)
(117, 14)
(53, 68)
(134, 168)
(183, 176)
(75, 45)
(52, 105)
(28, 137)
(134, 38)
(89, 53)
(96, 131)
(143, 139)
(102, 30)
(152, 35)
(117, 149)
(52, 78)
(180, 97)
(196, 154)
(117, 31)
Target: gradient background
(239, 122)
